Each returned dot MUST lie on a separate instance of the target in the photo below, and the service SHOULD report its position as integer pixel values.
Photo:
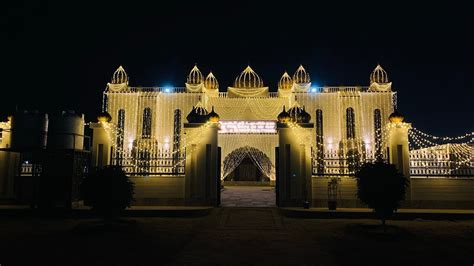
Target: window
(146, 127)
(177, 130)
(319, 142)
(121, 128)
(378, 133)
(350, 123)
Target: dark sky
(60, 54)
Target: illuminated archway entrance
(247, 164)
(246, 174)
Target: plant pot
(306, 204)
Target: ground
(234, 236)
(248, 196)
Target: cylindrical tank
(29, 130)
(66, 131)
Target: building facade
(147, 133)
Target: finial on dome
(285, 82)
(198, 114)
(195, 76)
(284, 116)
(119, 76)
(248, 79)
(213, 117)
(379, 75)
(301, 76)
(211, 82)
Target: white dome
(285, 82)
(379, 75)
(119, 76)
(211, 82)
(195, 76)
(301, 76)
(248, 79)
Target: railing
(150, 163)
(28, 169)
(332, 163)
(224, 94)
(270, 95)
(156, 89)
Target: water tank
(66, 131)
(29, 130)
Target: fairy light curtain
(264, 143)
(260, 159)
(247, 92)
(247, 108)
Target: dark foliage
(108, 191)
(381, 187)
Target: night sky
(60, 55)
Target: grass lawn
(227, 237)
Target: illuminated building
(147, 122)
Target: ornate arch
(259, 158)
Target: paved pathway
(247, 196)
(249, 236)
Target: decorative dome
(305, 117)
(211, 82)
(195, 76)
(104, 117)
(298, 114)
(213, 116)
(283, 117)
(396, 117)
(295, 113)
(119, 76)
(248, 79)
(198, 114)
(301, 76)
(285, 82)
(379, 75)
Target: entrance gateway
(248, 162)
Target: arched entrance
(247, 164)
(246, 173)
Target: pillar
(101, 145)
(398, 152)
(294, 165)
(202, 180)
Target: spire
(379, 75)
(195, 76)
(248, 79)
(211, 82)
(119, 76)
(285, 82)
(301, 76)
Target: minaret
(397, 144)
(293, 164)
(202, 171)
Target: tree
(381, 187)
(108, 191)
